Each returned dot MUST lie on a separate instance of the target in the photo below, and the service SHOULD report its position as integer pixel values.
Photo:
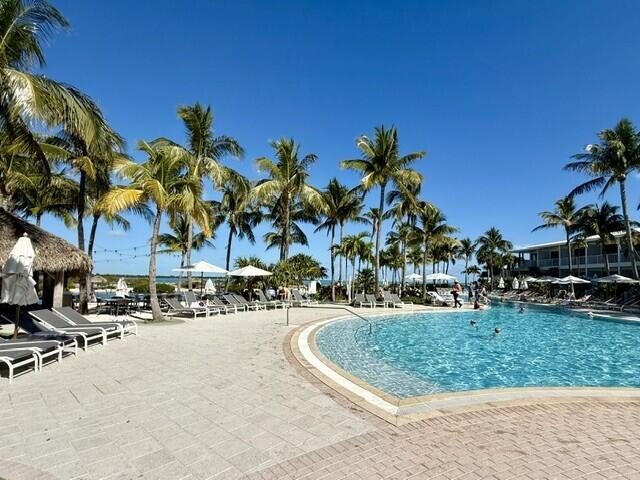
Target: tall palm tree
(342, 205)
(161, 180)
(176, 241)
(381, 164)
(467, 249)
(26, 97)
(402, 237)
(489, 246)
(237, 210)
(286, 185)
(430, 224)
(208, 150)
(602, 220)
(565, 215)
(611, 161)
(472, 270)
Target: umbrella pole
(17, 327)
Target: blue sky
(499, 93)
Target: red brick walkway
(587, 440)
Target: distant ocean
(174, 279)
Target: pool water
(426, 353)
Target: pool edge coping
(399, 411)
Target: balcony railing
(582, 260)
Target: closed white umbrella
(501, 283)
(18, 286)
(209, 287)
(121, 288)
(515, 284)
(524, 285)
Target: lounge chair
(223, 307)
(58, 324)
(232, 300)
(360, 301)
(437, 299)
(69, 314)
(298, 299)
(19, 358)
(176, 308)
(371, 298)
(396, 301)
(44, 349)
(262, 298)
(191, 299)
(37, 332)
(249, 305)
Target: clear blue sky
(499, 93)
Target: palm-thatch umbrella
(18, 286)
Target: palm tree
(381, 165)
(564, 215)
(27, 98)
(176, 242)
(287, 185)
(467, 249)
(342, 205)
(472, 270)
(351, 247)
(430, 224)
(402, 236)
(611, 161)
(208, 150)
(489, 246)
(161, 180)
(601, 220)
(237, 210)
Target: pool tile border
(399, 411)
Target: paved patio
(217, 398)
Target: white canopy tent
(18, 285)
(440, 277)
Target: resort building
(587, 257)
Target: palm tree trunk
(340, 256)
(569, 250)
(82, 187)
(627, 225)
(286, 233)
(333, 265)
(404, 267)
(189, 246)
(604, 256)
(466, 274)
(153, 293)
(378, 235)
(228, 262)
(424, 271)
(92, 239)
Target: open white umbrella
(209, 287)
(250, 271)
(440, 277)
(413, 276)
(201, 267)
(546, 279)
(121, 288)
(18, 286)
(615, 279)
(570, 279)
(515, 284)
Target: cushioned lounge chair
(69, 314)
(176, 308)
(58, 324)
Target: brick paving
(218, 399)
(587, 440)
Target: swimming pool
(427, 353)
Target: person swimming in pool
(496, 331)
(521, 309)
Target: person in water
(496, 331)
(521, 309)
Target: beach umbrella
(440, 277)
(18, 285)
(501, 283)
(121, 288)
(530, 279)
(209, 288)
(546, 279)
(201, 267)
(570, 279)
(413, 276)
(616, 279)
(524, 285)
(515, 284)
(250, 271)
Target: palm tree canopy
(178, 239)
(564, 215)
(492, 242)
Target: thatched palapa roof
(53, 254)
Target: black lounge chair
(224, 307)
(44, 349)
(176, 308)
(69, 314)
(38, 332)
(242, 301)
(18, 358)
(231, 300)
(56, 323)
(262, 298)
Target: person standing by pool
(457, 290)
